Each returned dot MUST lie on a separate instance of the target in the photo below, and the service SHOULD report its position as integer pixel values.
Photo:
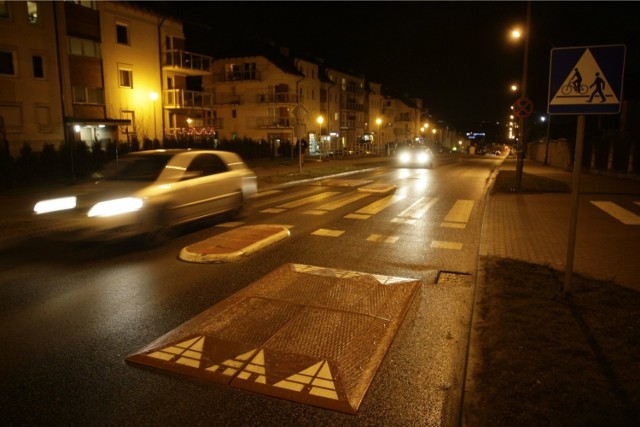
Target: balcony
(279, 98)
(188, 63)
(237, 76)
(274, 122)
(227, 99)
(180, 98)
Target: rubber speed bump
(234, 244)
(307, 334)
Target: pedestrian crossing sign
(586, 80)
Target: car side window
(205, 165)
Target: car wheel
(160, 233)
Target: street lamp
(523, 94)
(320, 121)
(154, 97)
(379, 123)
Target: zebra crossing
(456, 216)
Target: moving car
(149, 192)
(414, 155)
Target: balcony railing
(192, 63)
(180, 98)
(279, 98)
(227, 99)
(237, 76)
(274, 122)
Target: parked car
(414, 155)
(149, 192)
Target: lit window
(32, 11)
(38, 66)
(122, 33)
(7, 65)
(125, 78)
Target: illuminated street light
(154, 97)
(379, 123)
(320, 121)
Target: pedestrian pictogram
(586, 80)
(523, 107)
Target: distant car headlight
(423, 157)
(54, 205)
(116, 207)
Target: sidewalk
(534, 227)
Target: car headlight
(54, 205)
(404, 157)
(423, 157)
(116, 207)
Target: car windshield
(134, 168)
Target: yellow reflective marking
(328, 233)
(343, 201)
(173, 350)
(310, 199)
(273, 210)
(446, 245)
(229, 371)
(189, 362)
(300, 378)
(230, 224)
(314, 212)
(325, 372)
(356, 216)
(318, 375)
(404, 220)
(382, 239)
(460, 212)
(329, 394)
(418, 209)
(379, 205)
(233, 363)
(255, 366)
(160, 355)
(453, 225)
(621, 214)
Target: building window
(122, 33)
(43, 118)
(32, 12)
(86, 3)
(233, 114)
(125, 78)
(38, 66)
(84, 47)
(88, 95)
(7, 63)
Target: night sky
(456, 56)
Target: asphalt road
(71, 314)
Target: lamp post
(379, 123)
(320, 121)
(523, 94)
(154, 97)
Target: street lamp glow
(153, 96)
(320, 120)
(514, 88)
(516, 33)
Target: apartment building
(96, 71)
(270, 95)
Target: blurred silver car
(149, 192)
